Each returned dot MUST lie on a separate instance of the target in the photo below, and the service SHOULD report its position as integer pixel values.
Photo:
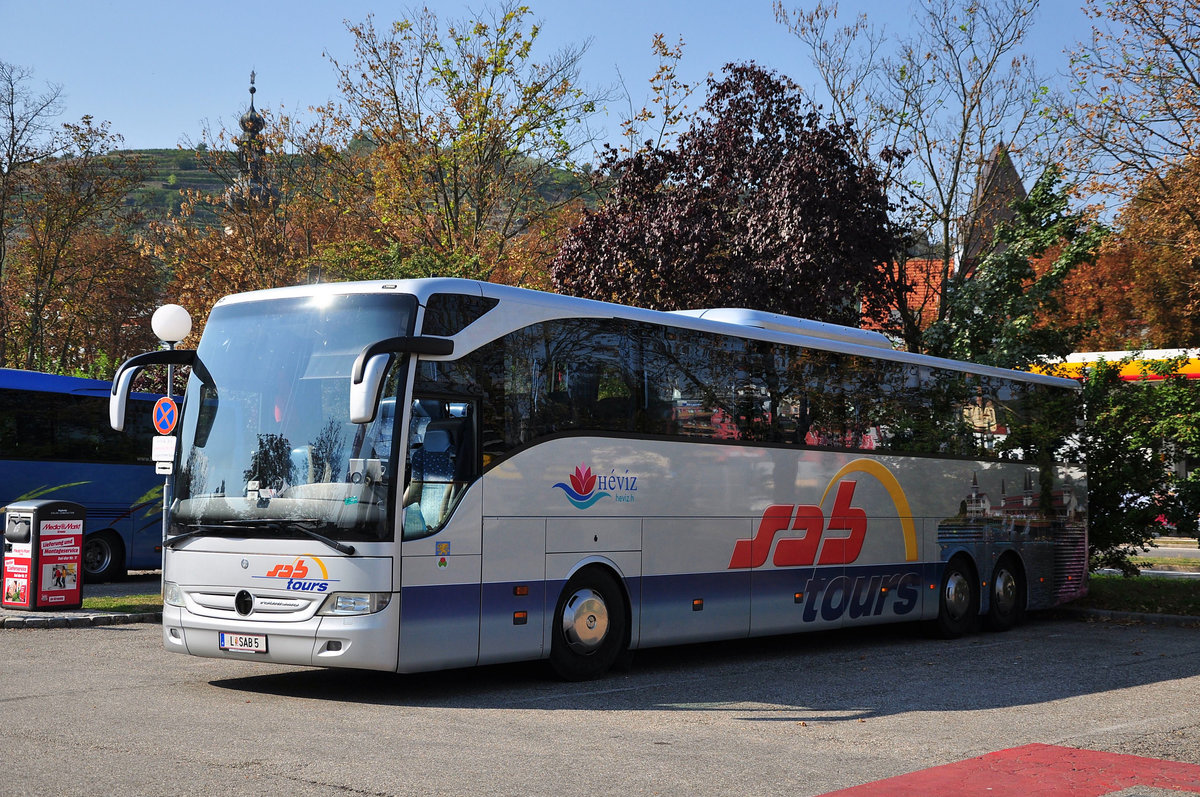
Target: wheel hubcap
(96, 556)
(585, 621)
(1005, 594)
(958, 595)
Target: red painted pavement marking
(1036, 769)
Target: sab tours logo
(300, 577)
(804, 541)
(587, 488)
(837, 549)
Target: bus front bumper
(368, 641)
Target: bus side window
(441, 465)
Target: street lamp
(171, 324)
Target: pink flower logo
(582, 490)
(583, 480)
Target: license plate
(242, 643)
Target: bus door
(443, 537)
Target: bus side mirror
(133, 366)
(120, 397)
(364, 393)
(370, 368)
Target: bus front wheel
(103, 557)
(589, 626)
(958, 605)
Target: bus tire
(1007, 605)
(103, 557)
(958, 601)
(589, 626)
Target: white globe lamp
(171, 324)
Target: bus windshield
(267, 449)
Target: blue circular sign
(165, 415)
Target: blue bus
(56, 442)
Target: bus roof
(537, 306)
(786, 323)
(15, 379)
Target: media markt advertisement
(60, 554)
(17, 562)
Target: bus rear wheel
(958, 605)
(589, 626)
(103, 557)
(1007, 605)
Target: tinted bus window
(35, 425)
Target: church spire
(251, 188)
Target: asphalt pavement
(1051, 707)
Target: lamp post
(171, 324)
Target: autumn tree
(1134, 103)
(762, 203)
(657, 123)
(468, 134)
(28, 134)
(75, 277)
(285, 216)
(1133, 112)
(1140, 292)
(931, 106)
(1100, 299)
(1160, 242)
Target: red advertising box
(43, 555)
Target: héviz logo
(582, 490)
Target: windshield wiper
(261, 523)
(302, 525)
(194, 531)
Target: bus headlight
(172, 594)
(347, 603)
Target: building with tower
(252, 187)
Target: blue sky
(157, 69)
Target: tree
(669, 95)
(1141, 292)
(271, 463)
(246, 250)
(1134, 105)
(761, 204)
(284, 217)
(75, 276)
(1162, 243)
(1133, 112)
(931, 112)
(27, 136)
(1135, 433)
(1007, 314)
(465, 133)
(1099, 299)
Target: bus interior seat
(433, 467)
(435, 456)
(424, 412)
